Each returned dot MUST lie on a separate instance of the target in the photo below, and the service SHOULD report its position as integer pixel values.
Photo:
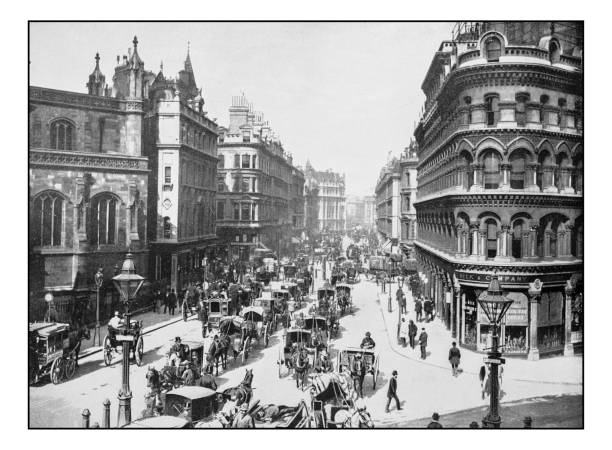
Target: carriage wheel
(279, 361)
(375, 373)
(108, 351)
(139, 351)
(57, 370)
(70, 368)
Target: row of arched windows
(49, 213)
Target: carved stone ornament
(167, 204)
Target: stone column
(561, 247)
(547, 235)
(459, 240)
(566, 180)
(457, 322)
(475, 240)
(477, 183)
(531, 173)
(534, 303)
(568, 348)
(533, 241)
(548, 179)
(483, 243)
(448, 294)
(505, 170)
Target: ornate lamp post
(49, 300)
(128, 282)
(98, 279)
(495, 306)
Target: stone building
(181, 143)
(361, 211)
(311, 208)
(369, 212)
(388, 205)
(297, 205)
(332, 199)
(500, 182)
(254, 183)
(408, 192)
(88, 187)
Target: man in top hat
(243, 419)
(392, 392)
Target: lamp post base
(491, 422)
(125, 409)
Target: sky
(342, 95)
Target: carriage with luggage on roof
(115, 337)
(257, 323)
(218, 308)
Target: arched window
(167, 228)
(554, 52)
(62, 132)
(492, 108)
(545, 159)
(47, 219)
(518, 161)
(491, 238)
(517, 239)
(103, 223)
(492, 49)
(492, 173)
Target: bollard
(85, 418)
(106, 414)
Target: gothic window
(493, 49)
(47, 219)
(517, 239)
(518, 161)
(492, 173)
(491, 238)
(62, 133)
(103, 223)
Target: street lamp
(98, 279)
(495, 306)
(49, 300)
(127, 282)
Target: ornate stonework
(81, 161)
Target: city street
(423, 386)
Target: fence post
(106, 414)
(85, 418)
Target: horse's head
(365, 420)
(248, 377)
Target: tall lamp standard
(495, 306)
(128, 282)
(49, 300)
(98, 279)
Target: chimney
(239, 112)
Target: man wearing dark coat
(392, 392)
(418, 308)
(412, 332)
(434, 421)
(171, 301)
(423, 343)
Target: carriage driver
(368, 342)
(177, 352)
(115, 321)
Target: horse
(359, 419)
(243, 392)
(301, 363)
(75, 336)
(218, 351)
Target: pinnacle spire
(188, 65)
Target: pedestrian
(398, 296)
(435, 418)
(159, 299)
(418, 309)
(392, 392)
(167, 299)
(171, 302)
(403, 305)
(412, 332)
(423, 343)
(404, 331)
(427, 309)
(454, 356)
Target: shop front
(550, 322)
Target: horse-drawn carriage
(218, 307)
(344, 298)
(298, 352)
(325, 300)
(319, 327)
(113, 341)
(257, 323)
(52, 351)
(191, 353)
(196, 404)
(239, 334)
(290, 271)
(370, 359)
(273, 309)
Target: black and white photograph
(280, 224)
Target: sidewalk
(151, 321)
(554, 370)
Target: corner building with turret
(500, 176)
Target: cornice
(87, 161)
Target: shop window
(47, 219)
(515, 339)
(103, 223)
(493, 49)
(492, 109)
(62, 132)
(492, 173)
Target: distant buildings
(388, 204)
(331, 199)
(361, 211)
(408, 193)
(259, 199)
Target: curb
(561, 383)
(150, 329)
